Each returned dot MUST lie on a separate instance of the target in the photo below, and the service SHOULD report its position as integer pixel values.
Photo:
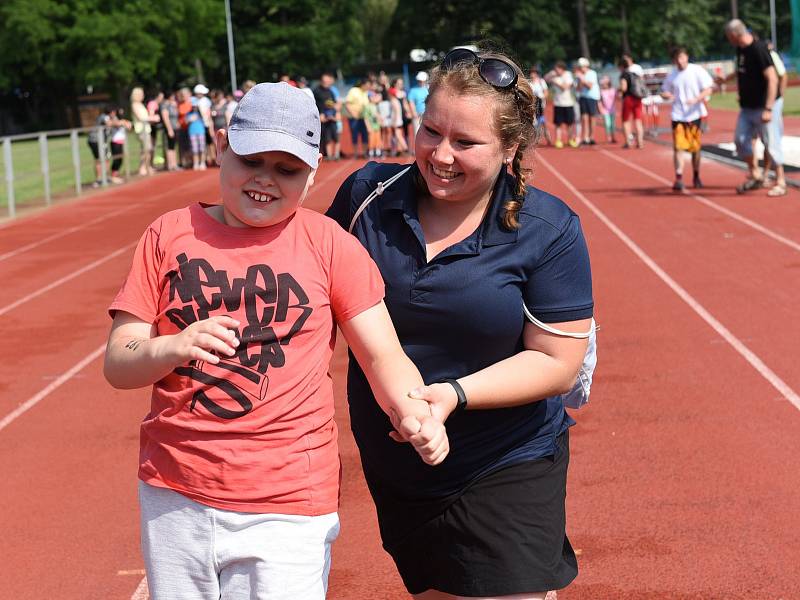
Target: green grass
(28, 178)
(729, 101)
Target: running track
(686, 465)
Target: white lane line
(759, 365)
(62, 379)
(141, 592)
(62, 233)
(65, 279)
(94, 221)
(703, 200)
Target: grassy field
(28, 179)
(791, 102)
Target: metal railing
(45, 172)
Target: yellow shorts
(686, 136)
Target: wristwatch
(462, 397)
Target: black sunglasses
(494, 71)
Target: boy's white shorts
(193, 551)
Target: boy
(230, 312)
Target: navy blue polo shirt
(462, 312)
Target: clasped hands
(427, 433)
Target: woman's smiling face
(458, 150)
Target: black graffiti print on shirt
(229, 388)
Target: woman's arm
(136, 356)
(391, 374)
(546, 367)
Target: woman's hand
(441, 397)
(427, 435)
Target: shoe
(677, 186)
(626, 146)
(748, 185)
(559, 144)
(696, 182)
(117, 180)
(574, 143)
(590, 143)
(96, 184)
(777, 190)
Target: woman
(396, 97)
(472, 259)
(141, 126)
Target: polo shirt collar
(402, 194)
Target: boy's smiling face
(259, 190)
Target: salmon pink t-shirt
(254, 433)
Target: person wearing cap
(230, 312)
(588, 93)
(416, 98)
(204, 106)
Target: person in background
(302, 84)
(372, 119)
(397, 96)
(197, 136)
(184, 145)
(169, 117)
(588, 92)
(233, 101)
(219, 104)
(687, 86)
(120, 127)
(204, 107)
(142, 124)
(775, 127)
(354, 104)
(329, 116)
(540, 90)
(608, 108)
(104, 122)
(156, 128)
(475, 263)
(560, 81)
(417, 96)
(758, 91)
(631, 89)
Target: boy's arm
(136, 356)
(391, 375)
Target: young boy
(230, 313)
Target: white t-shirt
(562, 97)
(684, 86)
(593, 92)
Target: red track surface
(686, 465)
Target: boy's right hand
(203, 340)
(427, 435)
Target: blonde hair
(137, 94)
(514, 117)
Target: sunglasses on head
(494, 71)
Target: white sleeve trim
(553, 330)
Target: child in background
(120, 127)
(197, 136)
(373, 120)
(608, 108)
(230, 312)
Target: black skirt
(503, 534)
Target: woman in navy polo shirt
(473, 259)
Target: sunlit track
(755, 361)
(713, 205)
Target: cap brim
(245, 142)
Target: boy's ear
(221, 142)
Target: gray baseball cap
(276, 117)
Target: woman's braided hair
(514, 118)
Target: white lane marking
(35, 399)
(759, 365)
(65, 279)
(141, 592)
(703, 200)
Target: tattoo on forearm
(133, 344)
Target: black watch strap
(462, 397)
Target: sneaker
(748, 185)
(591, 142)
(96, 184)
(574, 143)
(696, 182)
(677, 186)
(117, 180)
(559, 144)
